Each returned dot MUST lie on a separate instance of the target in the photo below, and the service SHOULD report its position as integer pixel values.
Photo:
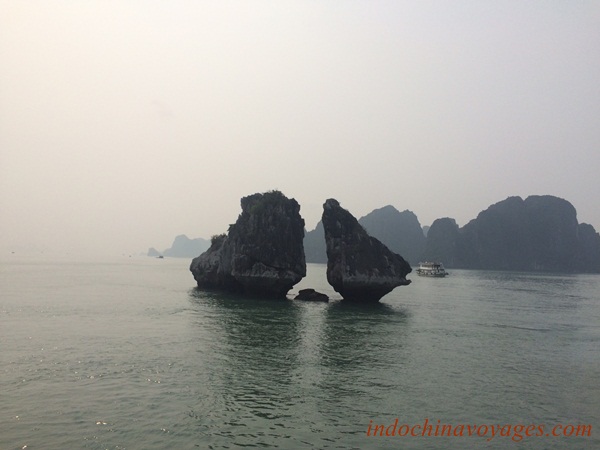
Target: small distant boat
(160, 256)
(431, 269)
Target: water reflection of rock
(252, 358)
(354, 333)
(275, 365)
(363, 356)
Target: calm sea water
(127, 354)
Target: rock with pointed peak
(359, 267)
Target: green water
(127, 354)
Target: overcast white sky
(125, 123)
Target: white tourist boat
(431, 269)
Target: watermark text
(516, 432)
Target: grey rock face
(540, 233)
(184, 247)
(314, 245)
(442, 238)
(310, 295)
(401, 232)
(262, 254)
(359, 267)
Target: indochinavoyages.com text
(516, 432)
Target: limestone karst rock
(262, 254)
(359, 266)
(540, 233)
(441, 243)
(184, 247)
(401, 232)
(310, 295)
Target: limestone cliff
(589, 249)
(359, 266)
(314, 245)
(539, 233)
(442, 239)
(262, 254)
(401, 232)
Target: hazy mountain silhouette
(401, 232)
(183, 247)
(314, 245)
(539, 233)
(441, 241)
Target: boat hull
(432, 275)
(431, 269)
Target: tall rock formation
(441, 243)
(359, 266)
(314, 245)
(401, 232)
(539, 233)
(262, 254)
(589, 249)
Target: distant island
(539, 233)
(182, 247)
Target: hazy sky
(125, 123)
